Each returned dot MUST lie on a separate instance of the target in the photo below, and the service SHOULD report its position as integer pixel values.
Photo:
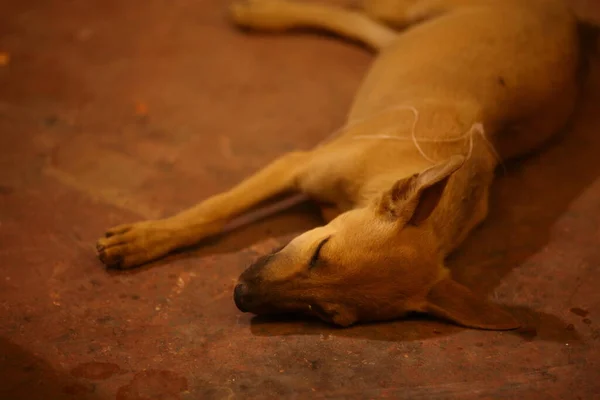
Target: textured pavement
(114, 111)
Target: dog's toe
(127, 246)
(118, 230)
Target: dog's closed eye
(315, 258)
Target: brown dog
(469, 84)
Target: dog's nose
(240, 291)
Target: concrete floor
(113, 111)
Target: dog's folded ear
(413, 199)
(452, 301)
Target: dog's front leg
(129, 245)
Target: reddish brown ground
(113, 111)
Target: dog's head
(378, 262)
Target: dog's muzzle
(240, 296)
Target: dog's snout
(239, 294)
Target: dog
(458, 87)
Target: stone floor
(114, 111)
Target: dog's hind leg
(129, 245)
(402, 13)
(281, 15)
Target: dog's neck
(423, 119)
(429, 134)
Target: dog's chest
(336, 180)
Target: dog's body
(404, 182)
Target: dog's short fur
(467, 84)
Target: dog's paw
(261, 14)
(130, 245)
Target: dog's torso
(485, 81)
(499, 61)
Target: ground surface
(113, 111)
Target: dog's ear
(413, 199)
(450, 300)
